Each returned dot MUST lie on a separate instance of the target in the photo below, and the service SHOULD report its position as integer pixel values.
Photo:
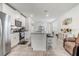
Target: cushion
(69, 46)
(71, 39)
(77, 40)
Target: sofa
(70, 44)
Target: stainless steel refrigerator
(5, 43)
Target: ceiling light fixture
(47, 15)
(31, 15)
(46, 12)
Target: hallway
(25, 50)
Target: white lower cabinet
(14, 39)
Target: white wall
(56, 25)
(74, 13)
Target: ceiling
(40, 10)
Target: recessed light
(31, 15)
(47, 15)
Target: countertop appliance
(5, 43)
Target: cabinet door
(14, 39)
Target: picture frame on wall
(67, 21)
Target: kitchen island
(38, 41)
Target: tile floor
(24, 50)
